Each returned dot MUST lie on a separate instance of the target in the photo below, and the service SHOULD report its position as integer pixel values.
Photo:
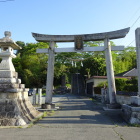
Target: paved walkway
(78, 119)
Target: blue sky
(22, 17)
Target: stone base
(131, 114)
(43, 110)
(61, 90)
(112, 110)
(114, 106)
(48, 106)
(16, 109)
(135, 100)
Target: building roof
(130, 73)
(127, 74)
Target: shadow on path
(82, 110)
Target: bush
(68, 86)
(132, 85)
(102, 84)
(123, 84)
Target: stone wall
(122, 99)
(131, 114)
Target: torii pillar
(110, 75)
(78, 39)
(50, 77)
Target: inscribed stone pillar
(77, 84)
(34, 96)
(63, 81)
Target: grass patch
(133, 125)
(45, 114)
(50, 113)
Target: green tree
(31, 66)
(124, 60)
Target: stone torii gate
(78, 39)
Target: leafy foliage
(32, 67)
(124, 60)
(123, 84)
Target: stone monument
(15, 107)
(77, 84)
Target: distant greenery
(123, 84)
(32, 67)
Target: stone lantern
(15, 107)
(7, 46)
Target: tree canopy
(32, 67)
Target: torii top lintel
(85, 37)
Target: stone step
(22, 86)
(8, 74)
(15, 90)
(9, 80)
(7, 86)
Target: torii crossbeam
(78, 39)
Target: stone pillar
(136, 99)
(34, 96)
(105, 97)
(50, 74)
(110, 72)
(63, 81)
(39, 96)
(137, 35)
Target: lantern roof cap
(7, 41)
